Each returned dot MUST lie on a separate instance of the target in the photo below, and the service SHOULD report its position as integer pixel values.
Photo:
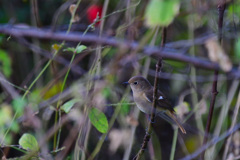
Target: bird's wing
(149, 99)
(162, 101)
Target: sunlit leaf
(66, 107)
(99, 120)
(29, 142)
(80, 48)
(161, 12)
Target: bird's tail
(171, 117)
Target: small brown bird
(143, 96)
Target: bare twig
(149, 130)
(221, 9)
(214, 93)
(166, 53)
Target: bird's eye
(135, 83)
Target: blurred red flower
(92, 13)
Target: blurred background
(63, 98)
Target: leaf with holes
(98, 120)
(29, 142)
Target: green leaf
(161, 12)
(69, 49)
(66, 107)
(80, 48)
(98, 120)
(55, 89)
(29, 142)
(5, 62)
(19, 104)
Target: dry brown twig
(166, 53)
(149, 130)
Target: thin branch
(209, 120)
(221, 9)
(90, 38)
(166, 53)
(149, 130)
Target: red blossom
(93, 11)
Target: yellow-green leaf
(56, 47)
(161, 12)
(55, 89)
(29, 142)
(98, 120)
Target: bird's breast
(143, 104)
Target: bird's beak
(125, 83)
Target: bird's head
(139, 83)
